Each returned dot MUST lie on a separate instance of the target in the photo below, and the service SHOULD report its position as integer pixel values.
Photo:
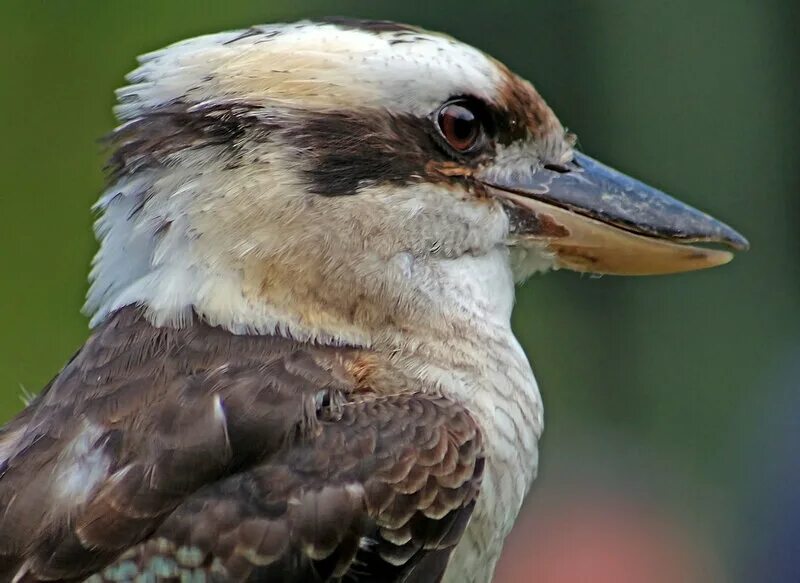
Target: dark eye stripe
(339, 152)
(345, 151)
(151, 139)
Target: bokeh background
(672, 403)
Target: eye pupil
(459, 126)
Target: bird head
(357, 159)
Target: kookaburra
(301, 365)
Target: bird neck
(252, 273)
(367, 301)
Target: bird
(301, 365)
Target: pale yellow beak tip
(590, 246)
(653, 258)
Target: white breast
(508, 407)
(483, 367)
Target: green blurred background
(661, 394)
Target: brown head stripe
(148, 140)
(341, 151)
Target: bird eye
(460, 126)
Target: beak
(595, 219)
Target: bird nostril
(557, 168)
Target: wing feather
(167, 453)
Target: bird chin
(529, 257)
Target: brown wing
(173, 452)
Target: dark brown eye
(460, 126)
